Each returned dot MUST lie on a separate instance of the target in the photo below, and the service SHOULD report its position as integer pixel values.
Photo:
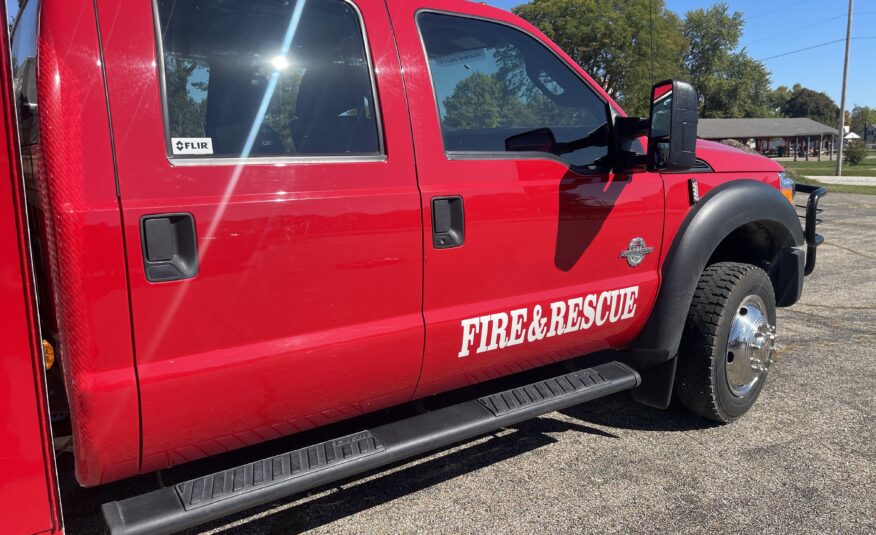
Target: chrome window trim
(379, 156)
(468, 155)
(276, 160)
(503, 155)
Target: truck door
(534, 251)
(272, 217)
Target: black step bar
(216, 495)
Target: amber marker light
(787, 187)
(48, 354)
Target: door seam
(419, 192)
(124, 238)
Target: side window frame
(610, 111)
(379, 156)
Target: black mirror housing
(672, 136)
(538, 140)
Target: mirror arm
(629, 128)
(626, 131)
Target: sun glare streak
(280, 63)
(209, 236)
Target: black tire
(701, 382)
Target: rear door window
(266, 78)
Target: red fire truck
(228, 221)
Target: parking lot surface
(802, 461)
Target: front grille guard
(811, 219)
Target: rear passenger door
(271, 212)
(526, 227)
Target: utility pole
(842, 121)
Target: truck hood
(726, 159)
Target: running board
(216, 495)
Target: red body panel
(86, 245)
(319, 295)
(729, 164)
(28, 489)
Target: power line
(780, 8)
(807, 26)
(813, 46)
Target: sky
(775, 27)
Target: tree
(481, 101)
(186, 97)
(730, 84)
(812, 104)
(861, 117)
(777, 100)
(611, 40)
(855, 153)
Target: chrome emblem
(636, 252)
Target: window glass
(661, 114)
(498, 90)
(266, 78)
(23, 54)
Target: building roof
(754, 128)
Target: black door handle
(448, 222)
(170, 247)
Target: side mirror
(672, 137)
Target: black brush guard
(811, 221)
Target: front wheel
(728, 341)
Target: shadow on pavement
(621, 412)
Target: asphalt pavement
(803, 460)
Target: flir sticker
(192, 146)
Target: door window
(267, 78)
(500, 90)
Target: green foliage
(812, 104)
(861, 117)
(855, 153)
(505, 98)
(777, 100)
(730, 84)
(481, 101)
(611, 40)
(186, 112)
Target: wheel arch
(741, 221)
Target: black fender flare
(723, 210)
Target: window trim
(379, 156)
(462, 155)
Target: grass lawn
(800, 169)
(828, 168)
(836, 188)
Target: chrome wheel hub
(751, 346)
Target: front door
(272, 216)
(526, 228)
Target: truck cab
(253, 218)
